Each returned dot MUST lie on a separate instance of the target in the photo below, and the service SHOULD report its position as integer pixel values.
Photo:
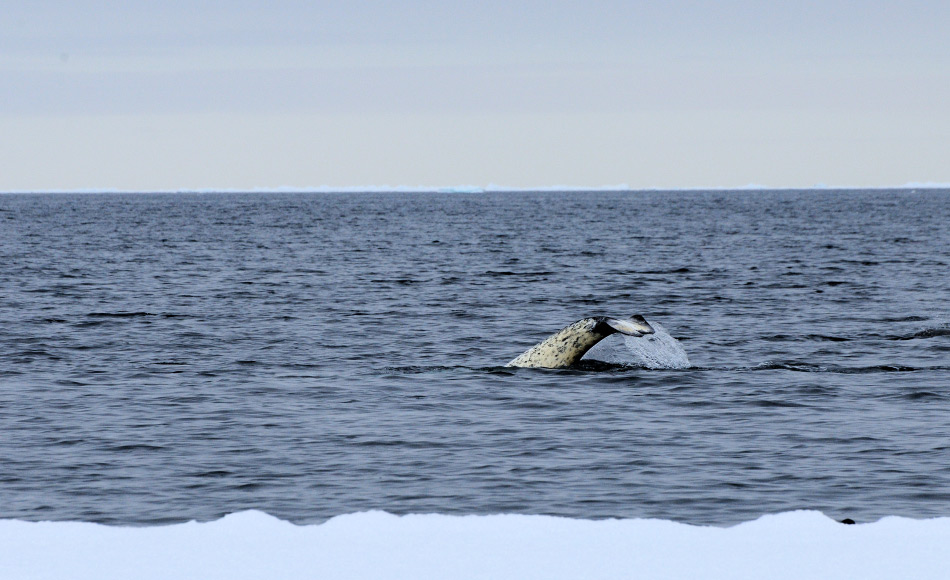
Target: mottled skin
(567, 346)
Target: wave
(797, 337)
(595, 365)
(925, 333)
(804, 367)
(120, 314)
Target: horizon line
(490, 188)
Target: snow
(251, 544)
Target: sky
(248, 94)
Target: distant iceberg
(251, 544)
(462, 189)
(926, 185)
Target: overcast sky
(243, 94)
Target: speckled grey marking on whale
(567, 346)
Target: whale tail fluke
(636, 325)
(567, 346)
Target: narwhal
(567, 346)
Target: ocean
(175, 357)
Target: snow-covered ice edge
(252, 544)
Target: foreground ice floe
(252, 544)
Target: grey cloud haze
(169, 95)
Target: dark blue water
(175, 357)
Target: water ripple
(175, 357)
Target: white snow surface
(252, 544)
